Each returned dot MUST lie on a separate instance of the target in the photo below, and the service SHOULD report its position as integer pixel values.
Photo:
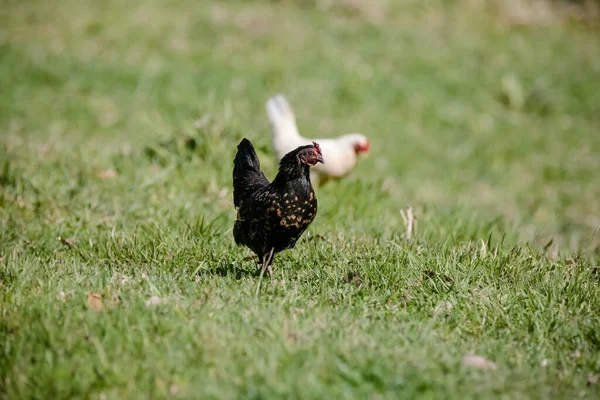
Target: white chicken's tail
(282, 118)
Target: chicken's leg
(269, 259)
(266, 262)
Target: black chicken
(272, 215)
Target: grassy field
(119, 277)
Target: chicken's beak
(320, 159)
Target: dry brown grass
(513, 13)
(528, 13)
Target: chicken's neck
(292, 172)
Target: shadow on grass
(230, 269)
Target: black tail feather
(247, 177)
(245, 159)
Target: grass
(119, 277)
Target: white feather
(339, 153)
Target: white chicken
(340, 154)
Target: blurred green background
(490, 105)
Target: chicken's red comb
(317, 147)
